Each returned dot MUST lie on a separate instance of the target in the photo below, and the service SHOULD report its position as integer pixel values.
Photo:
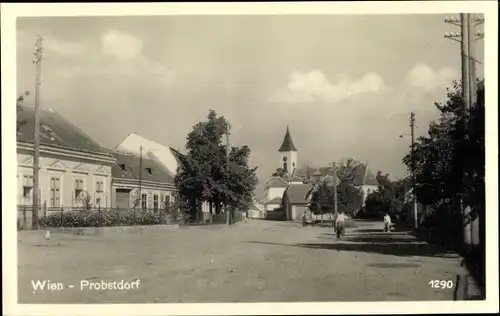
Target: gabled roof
(287, 144)
(276, 182)
(128, 167)
(298, 193)
(55, 130)
(133, 142)
(364, 176)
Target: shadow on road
(406, 249)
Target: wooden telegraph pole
(140, 178)
(413, 171)
(36, 132)
(228, 149)
(335, 199)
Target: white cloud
(66, 49)
(315, 86)
(121, 45)
(424, 77)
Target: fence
(99, 217)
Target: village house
(170, 158)
(141, 182)
(296, 200)
(74, 171)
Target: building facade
(74, 171)
(141, 183)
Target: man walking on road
(340, 224)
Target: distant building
(150, 188)
(293, 190)
(74, 170)
(296, 200)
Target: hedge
(108, 218)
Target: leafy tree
(449, 161)
(241, 179)
(209, 174)
(389, 197)
(349, 197)
(19, 100)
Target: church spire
(287, 144)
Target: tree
(209, 174)
(241, 179)
(446, 171)
(389, 197)
(20, 99)
(349, 197)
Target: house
(141, 182)
(275, 187)
(74, 171)
(365, 180)
(133, 143)
(296, 200)
(256, 209)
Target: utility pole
(228, 151)
(468, 37)
(36, 132)
(413, 171)
(140, 177)
(335, 200)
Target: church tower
(288, 154)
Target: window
(149, 170)
(55, 192)
(98, 201)
(167, 202)
(27, 187)
(144, 201)
(155, 202)
(99, 186)
(78, 189)
(161, 201)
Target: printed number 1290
(441, 284)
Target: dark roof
(287, 144)
(363, 175)
(370, 178)
(276, 200)
(54, 130)
(131, 170)
(298, 193)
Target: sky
(344, 84)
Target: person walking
(387, 222)
(340, 224)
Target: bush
(106, 218)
